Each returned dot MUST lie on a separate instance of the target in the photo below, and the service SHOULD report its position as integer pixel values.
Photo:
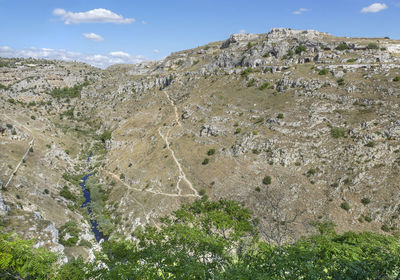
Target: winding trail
(20, 162)
(182, 175)
(115, 176)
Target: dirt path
(115, 176)
(182, 175)
(20, 162)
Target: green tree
(20, 260)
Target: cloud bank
(97, 60)
(374, 8)
(92, 16)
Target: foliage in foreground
(218, 240)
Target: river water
(86, 194)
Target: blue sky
(132, 31)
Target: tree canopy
(214, 240)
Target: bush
(205, 161)
(267, 180)
(67, 92)
(311, 172)
(372, 46)
(396, 79)
(202, 192)
(280, 116)
(342, 47)
(365, 200)
(258, 189)
(247, 72)
(300, 49)
(251, 83)
(345, 205)
(337, 132)
(72, 229)
(211, 152)
(351, 60)
(122, 176)
(238, 130)
(385, 228)
(370, 144)
(264, 86)
(33, 117)
(67, 194)
(323, 72)
(105, 136)
(340, 82)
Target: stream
(86, 194)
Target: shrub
(211, 152)
(365, 200)
(122, 176)
(351, 60)
(251, 83)
(311, 172)
(323, 72)
(256, 151)
(72, 229)
(342, 47)
(205, 161)
(300, 49)
(238, 130)
(33, 117)
(337, 132)
(66, 193)
(258, 189)
(202, 192)
(340, 82)
(266, 55)
(85, 243)
(372, 46)
(264, 86)
(345, 205)
(247, 72)
(105, 136)
(370, 144)
(280, 116)
(67, 92)
(368, 219)
(267, 180)
(396, 79)
(385, 228)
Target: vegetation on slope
(213, 240)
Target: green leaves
(19, 259)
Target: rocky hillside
(300, 126)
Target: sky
(105, 32)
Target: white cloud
(374, 8)
(120, 54)
(98, 60)
(93, 36)
(156, 51)
(144, 22)
(300, 11)
(92, 16)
